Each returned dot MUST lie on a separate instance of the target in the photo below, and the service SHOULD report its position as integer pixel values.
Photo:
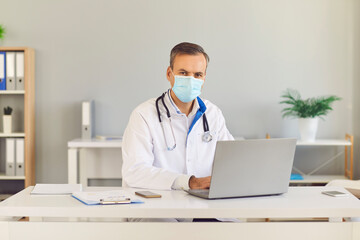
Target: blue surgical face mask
(187, 88)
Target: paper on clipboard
(95, 198)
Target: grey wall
(356, 78)
(116, 52)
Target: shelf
(324, 142)
(12, 92)
(4, 177)
(3, 135)
(95, 143)
(319, 178)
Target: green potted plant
(2, 32)
(7, 123)
(308, 111)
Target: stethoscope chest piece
(207, 137)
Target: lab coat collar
(198, 105)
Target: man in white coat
(178, 152)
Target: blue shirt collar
(202, 107)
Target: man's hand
(199, 183)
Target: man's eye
(182, 73)
(198, 75)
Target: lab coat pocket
(171, 160)
(160, 155)
(160, 149)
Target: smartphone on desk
(335, 193)
(148, 194)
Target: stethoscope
(207, 137)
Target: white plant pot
(308, 128)
(7, 123)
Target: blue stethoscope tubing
(207, 137)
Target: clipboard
(116, 197)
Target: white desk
(300, 202)
(73, 156)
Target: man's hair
(189, 49)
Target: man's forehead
(191, 63)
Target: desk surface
(299, 202)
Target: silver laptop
(246, 168)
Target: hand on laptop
(199, 183)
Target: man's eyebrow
(182, 70)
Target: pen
(115, 201)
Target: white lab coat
(146, 161)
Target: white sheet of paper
(94, 197)
(56, 189)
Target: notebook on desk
(250, 168)
(55, 189)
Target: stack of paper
(56, 189)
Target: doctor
(170, 141)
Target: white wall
(116, 52)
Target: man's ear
(168, 73)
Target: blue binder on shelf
(295, 176)
(2, 71)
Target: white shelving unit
(318, 179)
(74, 162)
(312, 178)
(309, 178)
(94, 143)
(325, 142)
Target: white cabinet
(312, 178)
